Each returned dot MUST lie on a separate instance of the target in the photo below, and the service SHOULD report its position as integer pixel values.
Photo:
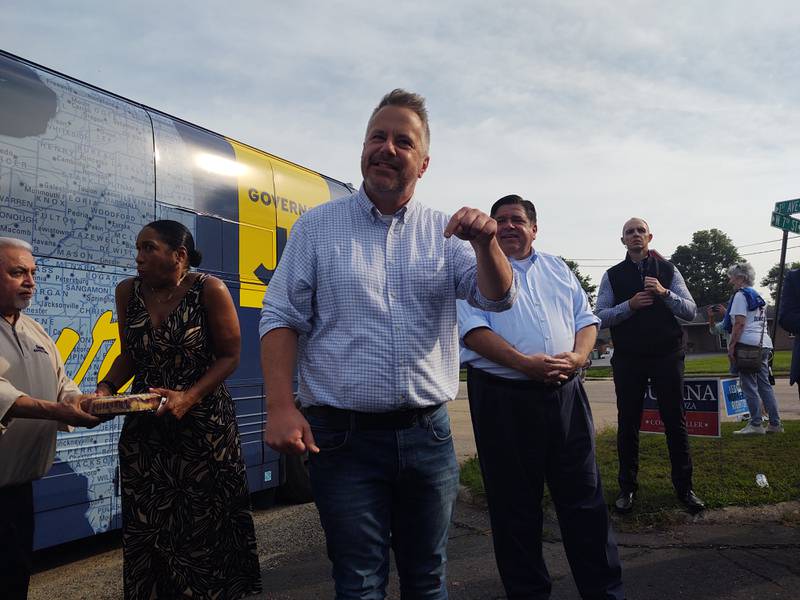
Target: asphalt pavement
(730, 554)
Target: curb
(782, 512)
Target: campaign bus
(82, 170)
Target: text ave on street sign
(787, 207)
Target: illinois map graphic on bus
(81, 172)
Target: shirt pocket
(431, 278)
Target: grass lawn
(724, 471)
(716, 365)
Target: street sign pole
(780, 285)
(782, 219)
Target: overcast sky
(684, 113)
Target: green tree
(585, 280)
(704, 265)
(770, 280)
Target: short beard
(22, 303)
(394, 188)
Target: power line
(794, 237)
(768, 251)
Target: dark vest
(650, 331)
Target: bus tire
(296, 488)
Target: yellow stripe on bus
(256, 223)
(272, 194)
(298, 191)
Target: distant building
(697, 338)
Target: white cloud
(685, 113)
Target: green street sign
(787, 207)
(785, 222)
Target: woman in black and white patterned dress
(187, 525)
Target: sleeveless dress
(187, 529)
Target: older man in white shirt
(35, 397)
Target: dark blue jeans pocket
(330, 440)
(438, 423)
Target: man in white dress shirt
(532, 419)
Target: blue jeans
(377, 489)
(756, 389)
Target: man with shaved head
(639, 300)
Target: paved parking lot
(734, 554)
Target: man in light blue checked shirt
(363, 302)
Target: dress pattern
(187, 525)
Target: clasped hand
(653, 285)
(553, 369)
(652, 288)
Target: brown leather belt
(339, 418)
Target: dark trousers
(16, 540)
(631, 374)
(527, 434)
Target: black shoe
(624, 502)
(692, 503)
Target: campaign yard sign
(701, 398)
(735, 402)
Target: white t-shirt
(753, 323)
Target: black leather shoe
(624, 502)
(692, 503)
